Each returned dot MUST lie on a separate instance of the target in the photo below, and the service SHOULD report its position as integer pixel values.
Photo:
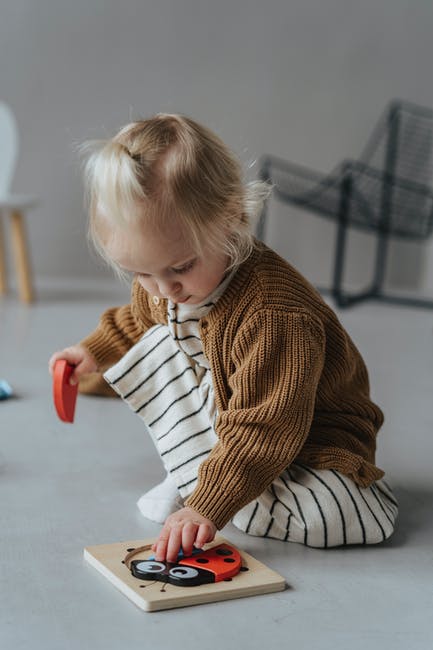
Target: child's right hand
(78, 356)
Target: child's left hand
(183, 529)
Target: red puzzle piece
(65, 395)
(222, 561)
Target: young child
(255, 396)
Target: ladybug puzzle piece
(65, 395)
(214, 565)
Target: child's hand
(183, 529)
(78, 356)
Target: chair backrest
(401, 149)
(8, 148)
(391, 182)
(402, 143)
(415, 144)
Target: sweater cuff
(96, 343)
(216, 504)
(94, 384)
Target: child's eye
(186, 268)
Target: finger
(188, 537)
(174, 543)
(82, 362)
(204, 535)
(71, 355)
(52, 361)
(79, 370)
(160, 546)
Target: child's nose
(169, 288)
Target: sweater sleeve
(277, 362)
(115, 334)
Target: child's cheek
(147, 284)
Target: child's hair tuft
(171, 166)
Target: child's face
(166, 264)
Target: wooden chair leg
(21, 254)
(3, 277)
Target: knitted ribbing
(288, 380)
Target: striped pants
(173, 395)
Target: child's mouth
(179, 300)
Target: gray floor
(64, 487)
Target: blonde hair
(171, 166)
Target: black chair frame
(368, 197)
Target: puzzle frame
(153, 596)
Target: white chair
(14, 206)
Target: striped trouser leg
(171, 394)
(320, 508)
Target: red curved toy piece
(65, 395)
(223, 561)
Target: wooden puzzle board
(154, 596)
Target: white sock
(160, 501)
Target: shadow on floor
(415, 514)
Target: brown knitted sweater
(289, 383)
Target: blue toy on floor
(5, 389)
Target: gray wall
(303, 79)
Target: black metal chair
(387, 190)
